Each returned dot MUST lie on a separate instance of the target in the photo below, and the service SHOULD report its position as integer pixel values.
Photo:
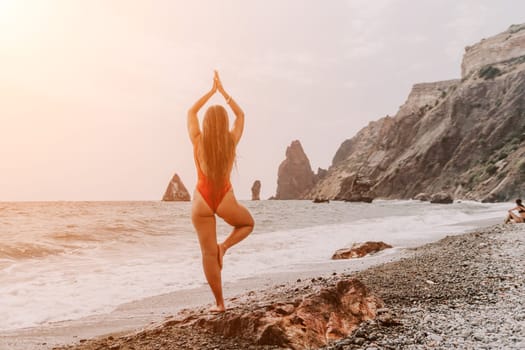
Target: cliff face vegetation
(465, 137)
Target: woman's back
(214, 154)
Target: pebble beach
(462, 292)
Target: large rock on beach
(356, 189)
(465, 137)
(441, 198)
(331, 313)
(424, 197)
(256, 190)
(295, 177)
(176, 191)
(358, 250)
(321, 200)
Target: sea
(65, 260)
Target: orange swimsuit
(206, 188)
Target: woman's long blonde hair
(216, 146)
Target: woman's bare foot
(217, 309)
(222, 251)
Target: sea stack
(295, 177)
(176, 191)
(256, 190)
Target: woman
(521, 213)
(214, 154)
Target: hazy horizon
(93, 95)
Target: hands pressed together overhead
(217, 86)
(193, 122)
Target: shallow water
(65, 260)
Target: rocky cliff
(176, 191)
(465, 137)
(295, 177)
(499, 48)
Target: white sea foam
(88, 258)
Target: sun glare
(11, 12)
(19, 20)
(7, 9)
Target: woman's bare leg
(237, 216)
(204, 222)
(515, 217)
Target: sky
(94, 94)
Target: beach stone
(176, 191)
(359, 341)
(358, 250)
(424, 197)
(436, 338)
(320, 200)
(441, 198)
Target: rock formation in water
(176, 191)
(465, 137)
(295, 177)
(358, 250)
(256, 190)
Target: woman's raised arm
(238, 124)
(193, 121)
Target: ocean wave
(27, 251)
(75, 237)
(97, 255)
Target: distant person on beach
(214, 153)
(521, 213)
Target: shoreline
(149, 312)
(137, 314)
